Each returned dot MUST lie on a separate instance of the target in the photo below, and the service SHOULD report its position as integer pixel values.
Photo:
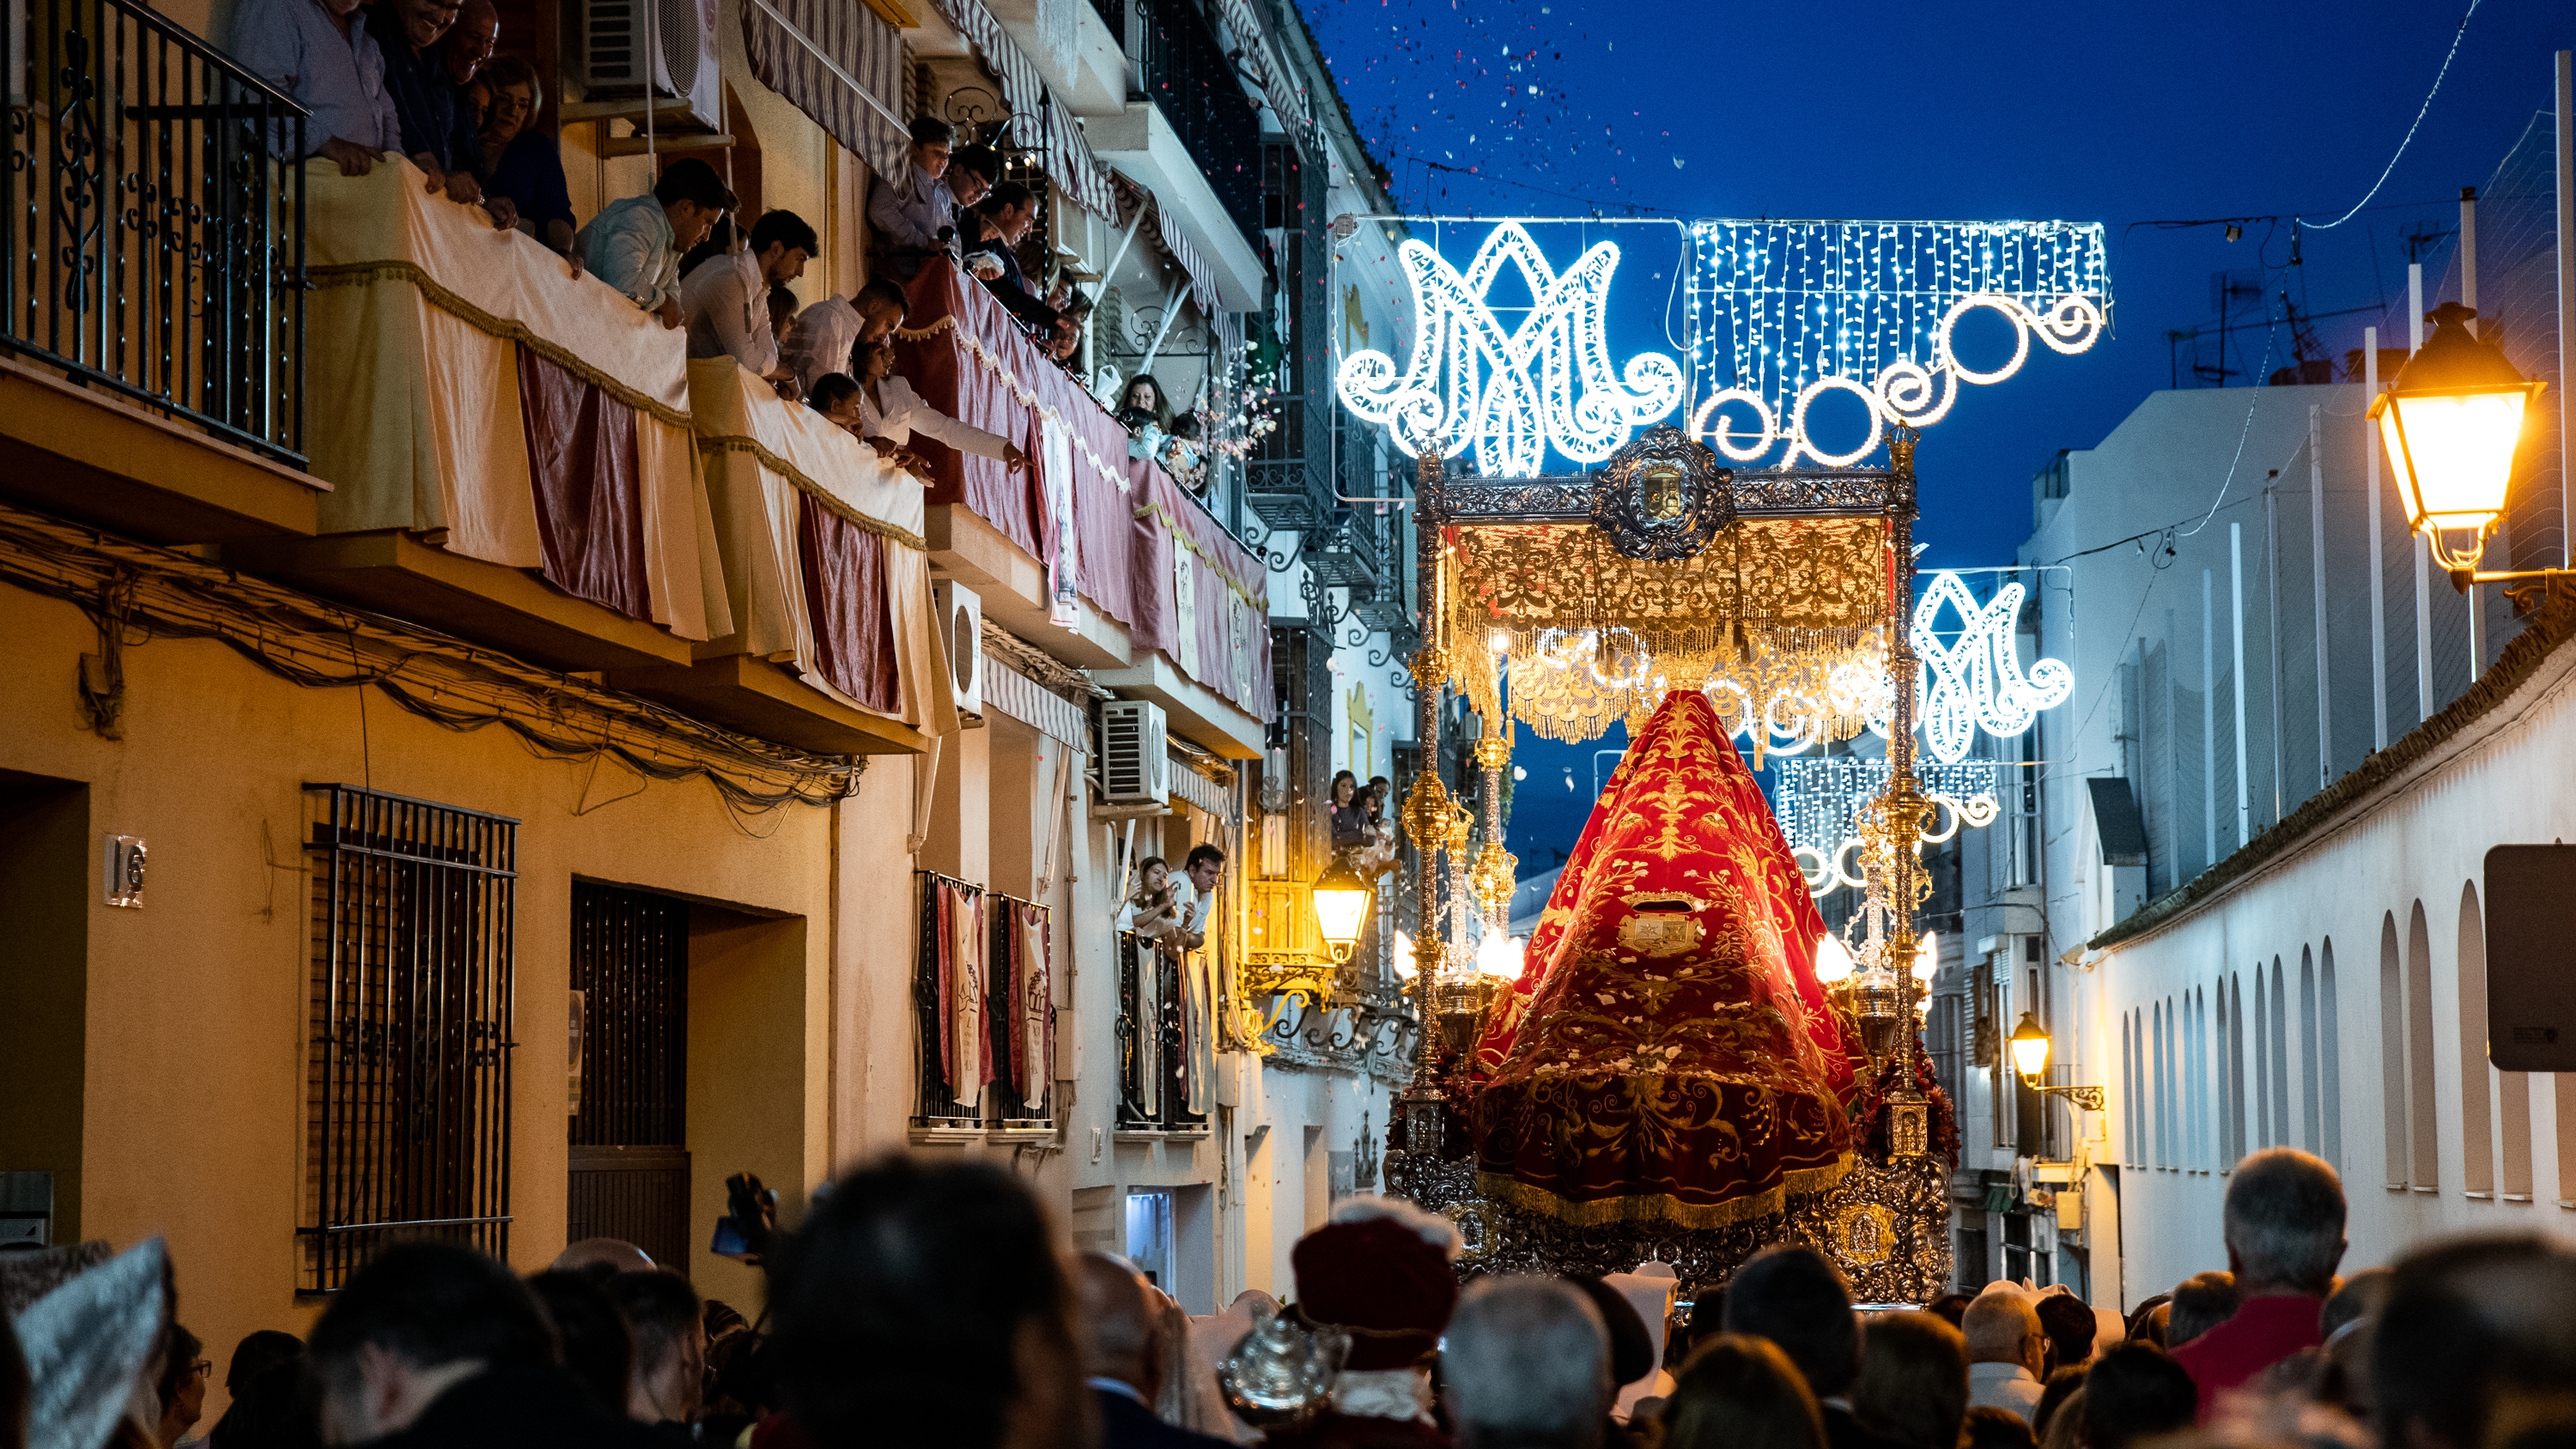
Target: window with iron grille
(408, 1120)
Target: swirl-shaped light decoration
(1782, 314)
(1976, 680)
(1510, 397)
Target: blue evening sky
(2086, 112)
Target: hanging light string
(2420, 113)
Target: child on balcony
(890, 412)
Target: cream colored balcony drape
(763, 458)
(413, 408)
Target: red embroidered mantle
(1678, 1061)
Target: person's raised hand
(669, 312)
(1013, 458)
(353, 159)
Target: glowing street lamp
(2029, 1047)
(1927, 957)
(2451, 421)
(1341, 903)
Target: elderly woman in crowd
(521, 162)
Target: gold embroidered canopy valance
(1771, 593)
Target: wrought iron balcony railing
(1153, 1044)
(1188, 75)
(152, 223)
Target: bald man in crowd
(2006, 1348)
(1124, 1351)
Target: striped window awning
(839, 63)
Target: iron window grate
(408, 1123)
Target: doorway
(629, 1161)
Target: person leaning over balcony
(319, 53)
(819, 342)
(1001, 220)
(518, 163)
(972, 170)
(1140, 404)
(910, 211)
(468, 48)
(891, 412)
(437, 125)
(727, 301)
(634, 244)
(836, 396)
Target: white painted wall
(2419, 841)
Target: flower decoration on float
(1783, 315)
(1510, 395)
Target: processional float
(1669, 1077)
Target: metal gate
(408, 1127)
(629, 1118)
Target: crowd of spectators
(921, 1305)
(425, 80)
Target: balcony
(833, 648)
(1189, 76)
(983, 997)
(1101, 556)
(1290, 476)
(151, 297)
(1153, 1049)
(509, 445)
(1090, 75)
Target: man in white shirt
(819, 342)
(2005, 1350)
(726, 299)
(1194, 895)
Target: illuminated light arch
(1782, 312)
(1468, 385)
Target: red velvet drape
(845, 597)
(589, 488)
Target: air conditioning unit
(681, 34)
(1135, 754)
(960, 618)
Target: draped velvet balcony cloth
(419, 406)
(845, 597)
(1032, 1028)
(1137, 538)
(823, 549)
(1679, 1063)
(590, 505)
(965, 1045)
